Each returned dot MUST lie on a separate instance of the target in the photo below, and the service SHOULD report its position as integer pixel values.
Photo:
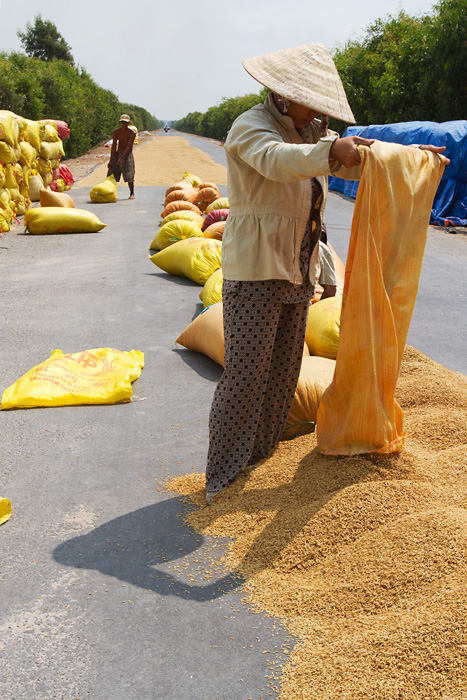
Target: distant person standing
(122, 161)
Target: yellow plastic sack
(4, 221)
(48, 179)
(25, 192)
(184, 215)
(10, 178)
(221, 203)
(48, 132)
(28, 154)
(105, 192)
(192, 179)
(316, 375)
(61, 184)
(45, 166)
(50, 150)
(174, 231)
(205, 334)
(61, 220)
(22, 126)
(9, 130)
(5, 198)
(26, 175)
(211, 293)
(195, 258)
(48, 198)
(97, 376)
(21, 205)
(27, 172)
(33, 133)
(18, 173)
(35, 185)
(9, 154)
(323, 327)
(358, 413)
(5, 510)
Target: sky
(186, 55)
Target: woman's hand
(345, 150)
(434, 149)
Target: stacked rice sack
(14, 167)
(50, 152)
(57, 214)
(189, 243)
(30, 153)
(104, 192)
(189, 239)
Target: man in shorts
(122, 161)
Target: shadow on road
(178, 279)
(202, 365)
(140, 547)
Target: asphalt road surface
(104, 591)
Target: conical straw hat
(306, 75)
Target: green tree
(216, 122)
(444, 83)
(20, 89)
(43, 40)
(409, 68)
(38, 89)
(382, 73)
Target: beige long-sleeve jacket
(269, 169)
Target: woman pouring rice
(279, 155)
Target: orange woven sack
(215, 230)
(178, 206)
(177, 195)
(358, 413)
(49, 198)
(206, 334)
(315, 376)
(180, 185)
(212, 185)
(203, 196)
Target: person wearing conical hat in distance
(279, 155)
(122, 161)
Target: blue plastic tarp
(450, 202)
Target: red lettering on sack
(85, 359)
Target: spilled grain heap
(364, 558)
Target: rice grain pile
(164, 159)
(363, 558)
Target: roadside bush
(403, 69)
(409, 68)
(55, 89)
(216, 122)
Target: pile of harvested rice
(162, 160)
(363, 558)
